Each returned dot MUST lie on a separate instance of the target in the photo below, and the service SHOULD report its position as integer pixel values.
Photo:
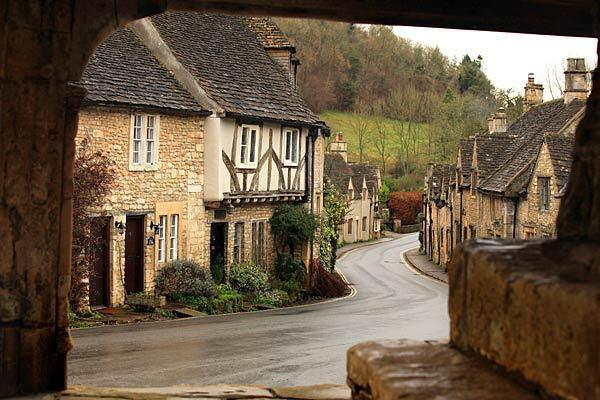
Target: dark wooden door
(134, 254)
(99, 274)
(217, 243)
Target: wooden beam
(548, 17)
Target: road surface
(296, 346)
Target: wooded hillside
(423, 99)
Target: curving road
(297, 346)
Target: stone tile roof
(441, 176)
(269, 33)
(490, 149)
(466, 159)
(232, 66)
(339, 173)
(123, 72)
(528, 134)
(561, 148)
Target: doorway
(99, 275)
(134, 254)
(218, 236)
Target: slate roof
(466, 158)
(123, 72)
(514, 172)
(490, 149)
(232, 66)
(339, 173)
(561, 148)
(268, 33)
(441, 176)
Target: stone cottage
(509, 180)
(360, 183)
(208, 135)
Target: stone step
(533, 308)
(406, 369)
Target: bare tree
(383, 133)
(554, 83)
(361, 130)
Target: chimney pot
(576, 80)
(339, 146)
(534, 93)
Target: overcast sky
(507, 57)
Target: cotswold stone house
(208, 135)
(360, 183)
(507, 182)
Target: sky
(507, 57)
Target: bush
(248, 278)
(405, 206)
(288, 268)
(218, 270)
(184, 277)
(293, 225)
(275, 298)
(199, 303)
(294, 290)
(323, 283)
(227, 300)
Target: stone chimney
(534, 93)
(576, 80)
(497, 122)
(339, 146)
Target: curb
(411, 265)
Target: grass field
(348, 123)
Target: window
(318, 204)
(248, 142)
(292, 139)
(144, 139)
(173, 236)
(258, 243)
(544, 191)
(349, 227)
(364, 224)
(162, 243)
(238, 241)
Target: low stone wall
(533, 308)
(409, 228)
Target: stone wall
(173, 186)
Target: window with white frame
(248, 146)
(173, 237)
(144, 138)
(291, 146)
(238, 242)
(162, 242)
(258, 243)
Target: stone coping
(221, 391)
(407, 369)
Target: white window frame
(162, 239)
(246, 150)
(289, 156)
(143, 143)
(173, 236)
(238, 241)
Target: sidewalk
(421, 263)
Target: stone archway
(45, 45)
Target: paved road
(280, 347)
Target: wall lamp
(155, 227)
(120, 227)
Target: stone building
(360, 183)
(509, 180)
(206, 143)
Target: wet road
(297, 346)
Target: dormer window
(248, 146)
(291, 147)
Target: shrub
(293, 225)
(405, 206)
(288, 268)
(218, 270)
(294, 290)
(275, 298)
(227, 300)
(323, 283)
(184, 277)
(199, 303)
(248, 278)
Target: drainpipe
(313, 133)
(460, 220)
(516, 201)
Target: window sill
(141, 168)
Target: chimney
(576, 80)
(497, 122)
(534, 93)
(339, 146)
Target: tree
(361, 130)
(293, 225)
(94, 175)
(335, 211)
(383, 134)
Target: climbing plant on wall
(335, 210)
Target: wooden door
(134, 254)
(99, 275)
